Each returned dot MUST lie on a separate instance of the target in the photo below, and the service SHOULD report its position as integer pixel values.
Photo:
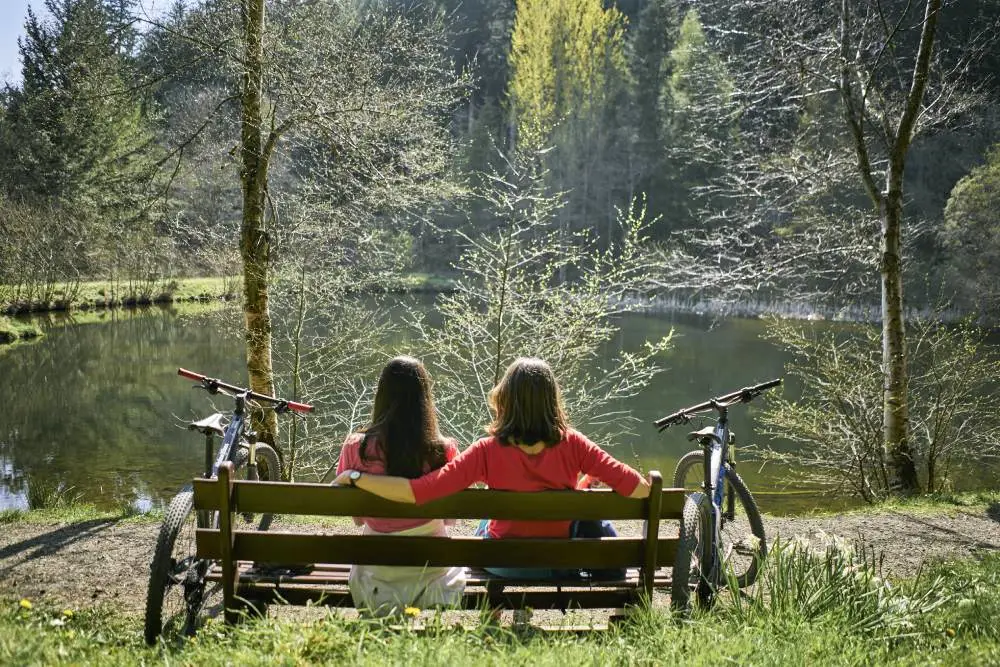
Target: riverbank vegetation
(955, 422)
(829, 608)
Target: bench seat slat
(433, 551)
(535, 599)
(322, 499)
(333, 574)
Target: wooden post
(227, 539)
(651, 529)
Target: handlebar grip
(191, 375)
(769, 384)
(299, 407)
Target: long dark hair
(404, 422)
(527, 405)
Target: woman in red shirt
(402, 440)
(531, 447)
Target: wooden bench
(314, 566)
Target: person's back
(402, 439)
(516, 468)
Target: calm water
(99, 406)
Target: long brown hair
(404, 421)
(527, 405)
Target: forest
(722, 120)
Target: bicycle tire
(268, 470)
(693, 543)
(173, 562)
(742, 537)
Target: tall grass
(808, 608)
(838, 584)
(48, 494)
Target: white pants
(385, 589)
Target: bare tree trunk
(895, 408)
(898, 452)
(254, 242)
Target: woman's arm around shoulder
(466, 469)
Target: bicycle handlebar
(744, 395)
(212, 384)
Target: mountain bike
(739, 544)
(178, 588)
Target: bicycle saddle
(707, 432)
(208, 425)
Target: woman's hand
(343, 479)
(642, 489)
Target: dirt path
(107, 561)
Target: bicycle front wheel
(268, 470)
(742, 542)
(177, 588)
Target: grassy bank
(927, 504)
(814, 610)
(98, 295)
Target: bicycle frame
(230, 439)
(716, 454)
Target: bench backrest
(228, 496)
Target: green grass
(925, 504)
(107, 294)
(103, 294)
(74, 512)
(849, 617)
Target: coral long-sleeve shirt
(350, 459)
(509, 468)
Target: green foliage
(12, 330)
(698, 109)
(972, 235)
(838, 421)
(837, 585)
(74, 130)
(563, 53)
(943, 617)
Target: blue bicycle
(738, 542)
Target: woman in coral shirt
(402, 440)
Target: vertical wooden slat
(651, 529)
(226, 537)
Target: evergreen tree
(699, 115)
(74, 132)
(972, 237)
(653, 38)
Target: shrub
(954, 416)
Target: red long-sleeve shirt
(509, 468)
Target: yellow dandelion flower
(68, 613)
(26, 604)
(412, 612)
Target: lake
(98, 406)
